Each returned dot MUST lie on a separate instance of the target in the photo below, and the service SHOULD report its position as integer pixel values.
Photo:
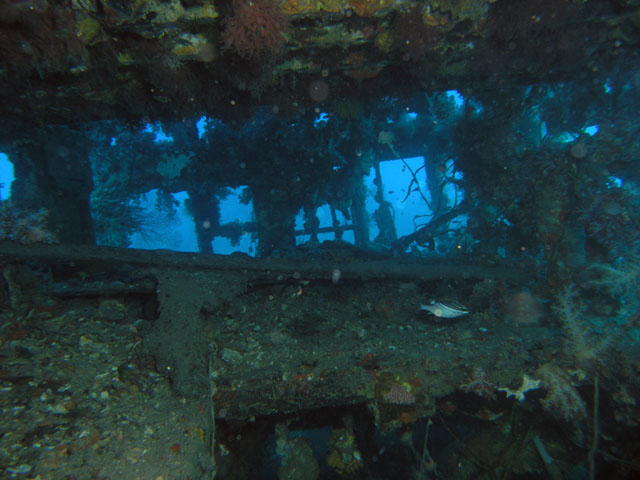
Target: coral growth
(344, 456)
(588, 338)
(40, 37)
(523, 308)
(621, 279)
(571, 313)
(399, 395)
(479, 383)
(368, 8)
(24, 226)
(563, 400)
(296, 455)
(610, 219)
(255, 29)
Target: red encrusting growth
(255, 29)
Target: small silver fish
(445, 308)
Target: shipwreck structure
(314, 360)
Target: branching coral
(581, 344)
(619, 279)
(255, 29)
(587, 343)
(563, 400)
(618, 282)
(590, 344)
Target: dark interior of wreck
(313, 360)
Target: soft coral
(255, 29)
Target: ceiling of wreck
(67, 61)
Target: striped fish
(445, 308)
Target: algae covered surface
(124, 384)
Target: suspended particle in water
(335, 276)
(319, 90)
